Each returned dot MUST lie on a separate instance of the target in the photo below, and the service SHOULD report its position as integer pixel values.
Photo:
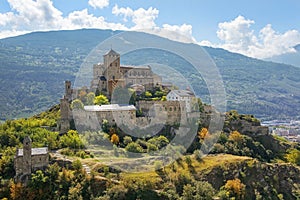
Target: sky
(257, 28)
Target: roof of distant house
(35, 151)
(110, 107)
(183, 93)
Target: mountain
(288, 58)
(34, 67)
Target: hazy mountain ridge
(35, 65)
(288, 58)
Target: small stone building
(28, 160)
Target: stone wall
(170, 112)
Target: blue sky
(257, 28)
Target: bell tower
(112, 71)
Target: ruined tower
(65, 111)
(27, 162)
(68, 90)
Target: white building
(114, 113)
(182, 95)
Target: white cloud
(41, 15)
(99, 3)
(143, 19)
(12, 33)
(82, 19)
(237, 36)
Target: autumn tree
(235, 188)
(203, 133)
(114, 139)
(236, 137)
(101, 100)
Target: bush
(134, 148)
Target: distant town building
(28, 160)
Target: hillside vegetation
(245, 163)
(34, 67)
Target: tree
(235, 188)
(160, 141)
(105, 126)
(188, 192)
(114, 139)
(77, 104)
(293, 156)
(101, 100)
(236, 137)
(163, 98)
(148, 94)
(72, 140)
(203, 133)
(127, 140)
(134, 148)
(90, 98)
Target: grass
(206, 164)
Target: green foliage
(117, 192)
(101, 100)
(134, 148)
(127, 140)
(293, 156)
(159, 142)
(90, 98)
(200, 190)
(76, 165)
(7, 162)
(72, 140)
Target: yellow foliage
(235, 136)
(203, 133)
(114, 139)
(236, 188)
(16, 191)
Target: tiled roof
(35, 151)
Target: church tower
(112, 71)
(27, 165)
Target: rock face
(261, 179)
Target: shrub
(134, 148)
